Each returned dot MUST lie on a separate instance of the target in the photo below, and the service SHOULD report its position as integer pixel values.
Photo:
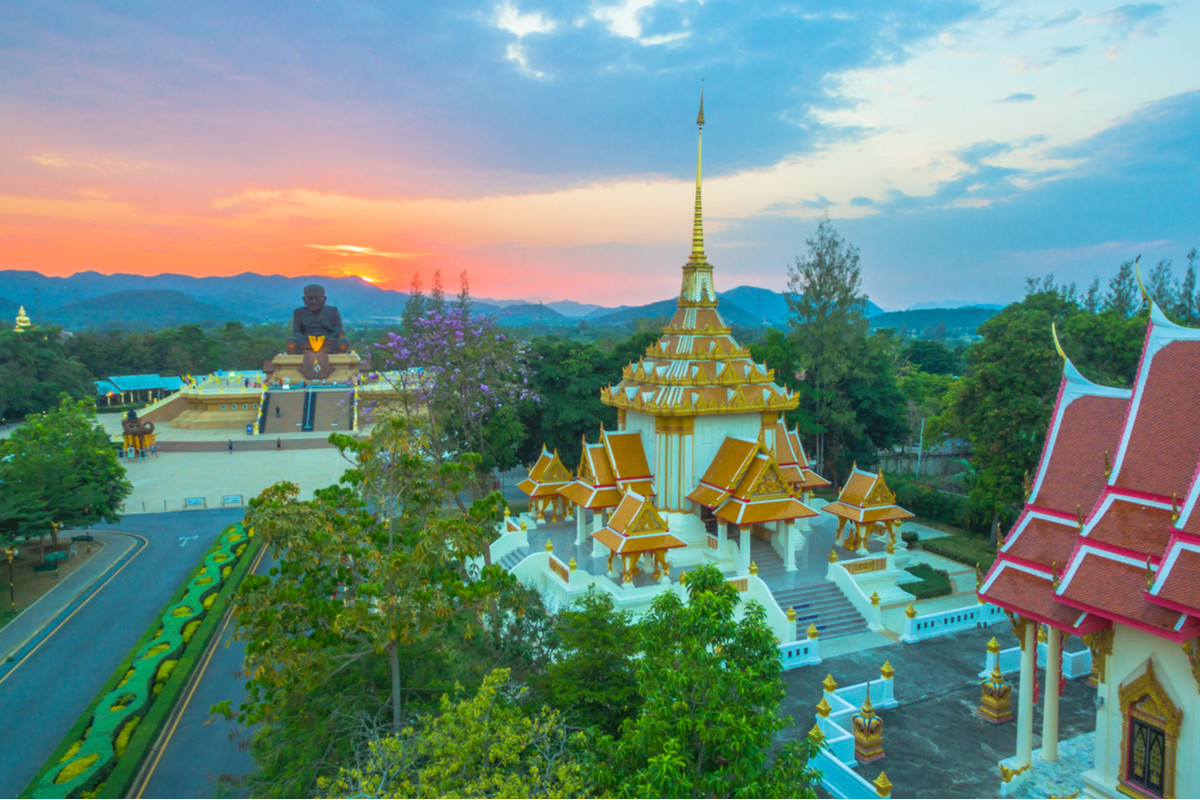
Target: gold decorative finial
(549, 546)
(1149, 573)
(815, 734)
(823, 708)
(1057, 345)
(883, 787)
(887, 671)
(832, 555)
(1079, 515)
(1138, 275)
(812, 631)
(698, 256)
(911, 611)
(829, 684)
(993, 646)
(1174, 506)
(791, 614)
(1054, 579)
(874, 598)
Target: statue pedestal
(313, 367)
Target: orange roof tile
(637, 544)
(627, 454)
(740, 512)
(581, 494)
(857, 488)
(729, 463)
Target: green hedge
(133, 704)
(949, 508)
(933, 582)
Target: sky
(548, 149)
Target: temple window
(1149, 737)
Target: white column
(722, 537)
(789, 545)
(599, 550)
(806, 498)
(744, 555)
(1050, 691)
(580, 525)
(1025, 697)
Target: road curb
(17, 653)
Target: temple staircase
(291, 404)
(818, 601)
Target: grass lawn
(965, 548)
(933, 583)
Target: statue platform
(314, 367)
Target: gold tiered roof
(696, 366)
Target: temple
(701, 460)
(1108, 548)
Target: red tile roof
(1114, 587)
(1027, 593)
(1181, 585)
(1161, 456)
(1043, 541)
(1075, 474)
(1133, 526)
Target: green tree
(1122, 296)
(826, 305)
(482, 746)
(373, 579)
(592, 677)
(711, 687)
(59, 469)
(35, 369)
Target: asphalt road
(204, 748)
(42, 696)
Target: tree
(467, 377)
(711, 690)
(829, 331)
(1122, 295)
(59, 469)
(35, 369)
(482, 746)
(592, 677)
(371, 578)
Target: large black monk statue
(316, 326)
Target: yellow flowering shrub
(126, 733)
(183, 611)
(189, 630)
(75, 768)
(71, 751)
(158, 649)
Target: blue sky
(548, 149)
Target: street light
(12, 595)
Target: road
(202, 748)
(47, 691)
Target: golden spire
(697, 256)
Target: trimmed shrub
(117, 715)
(933, 582)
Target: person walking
(276, 412)
(231, 447)
(278, 443)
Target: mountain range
(94, 300)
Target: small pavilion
(545, 480)
(637, 530)
(866, 502)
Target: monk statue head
(314, 297)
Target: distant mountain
(569, 308)
(140, 310)
(768, 307)
(951, 304)
(533, 314)
(956, 321)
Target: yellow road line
(67, 618)
(180, 708)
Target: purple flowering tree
(465, 376)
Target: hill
(140, 310)
(957, 321)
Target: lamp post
(12, 594)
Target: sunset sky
(548, 148)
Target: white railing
(849, 587)
(837, 756)
(839, 779)
(940, 623)
(800, 653)
(1074, 665)
(508, 543)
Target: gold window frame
(1144, 699)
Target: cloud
(1018, 97)
(509, 18)
(1137, 19)
(356, 250)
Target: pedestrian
(276, 412)
(231, 447)
(278, 443)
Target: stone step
(515, 557)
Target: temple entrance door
(1146, 761)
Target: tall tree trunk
(397, 709)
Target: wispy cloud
(357, 250)
(1019, 97)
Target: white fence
(1074, 665)
(928, 626)
(836, 758)
(800, 654)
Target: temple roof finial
(697, 256)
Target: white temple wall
(644, 424)
(711, 430)
(1130, 649)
